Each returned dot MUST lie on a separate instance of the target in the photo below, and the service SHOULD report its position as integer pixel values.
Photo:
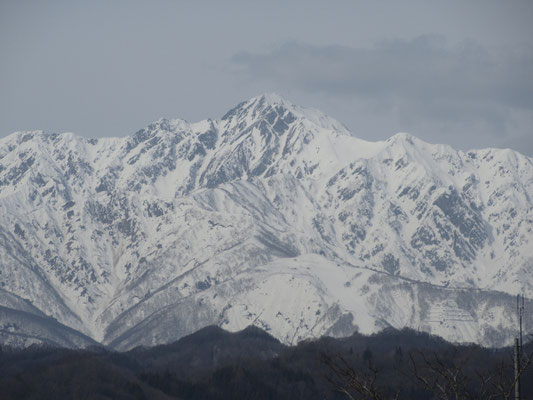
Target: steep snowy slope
(274, 215)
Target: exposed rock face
(275, 216)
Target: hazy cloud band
(425, 77)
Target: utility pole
(518, 346)
(520, 312)
(516, 370)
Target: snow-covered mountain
(274, 215)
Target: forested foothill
(251, 364)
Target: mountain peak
(402, 137)
(272, 98)
(261, 106)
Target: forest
(251, 364)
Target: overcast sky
(456, 72)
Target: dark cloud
(427, 80)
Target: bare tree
(454, 377)
(355, 384)
(456, 380)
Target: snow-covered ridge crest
(274, 215)
(272, 101)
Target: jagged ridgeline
(274, 215)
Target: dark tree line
(214, 364)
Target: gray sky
(456, 72)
